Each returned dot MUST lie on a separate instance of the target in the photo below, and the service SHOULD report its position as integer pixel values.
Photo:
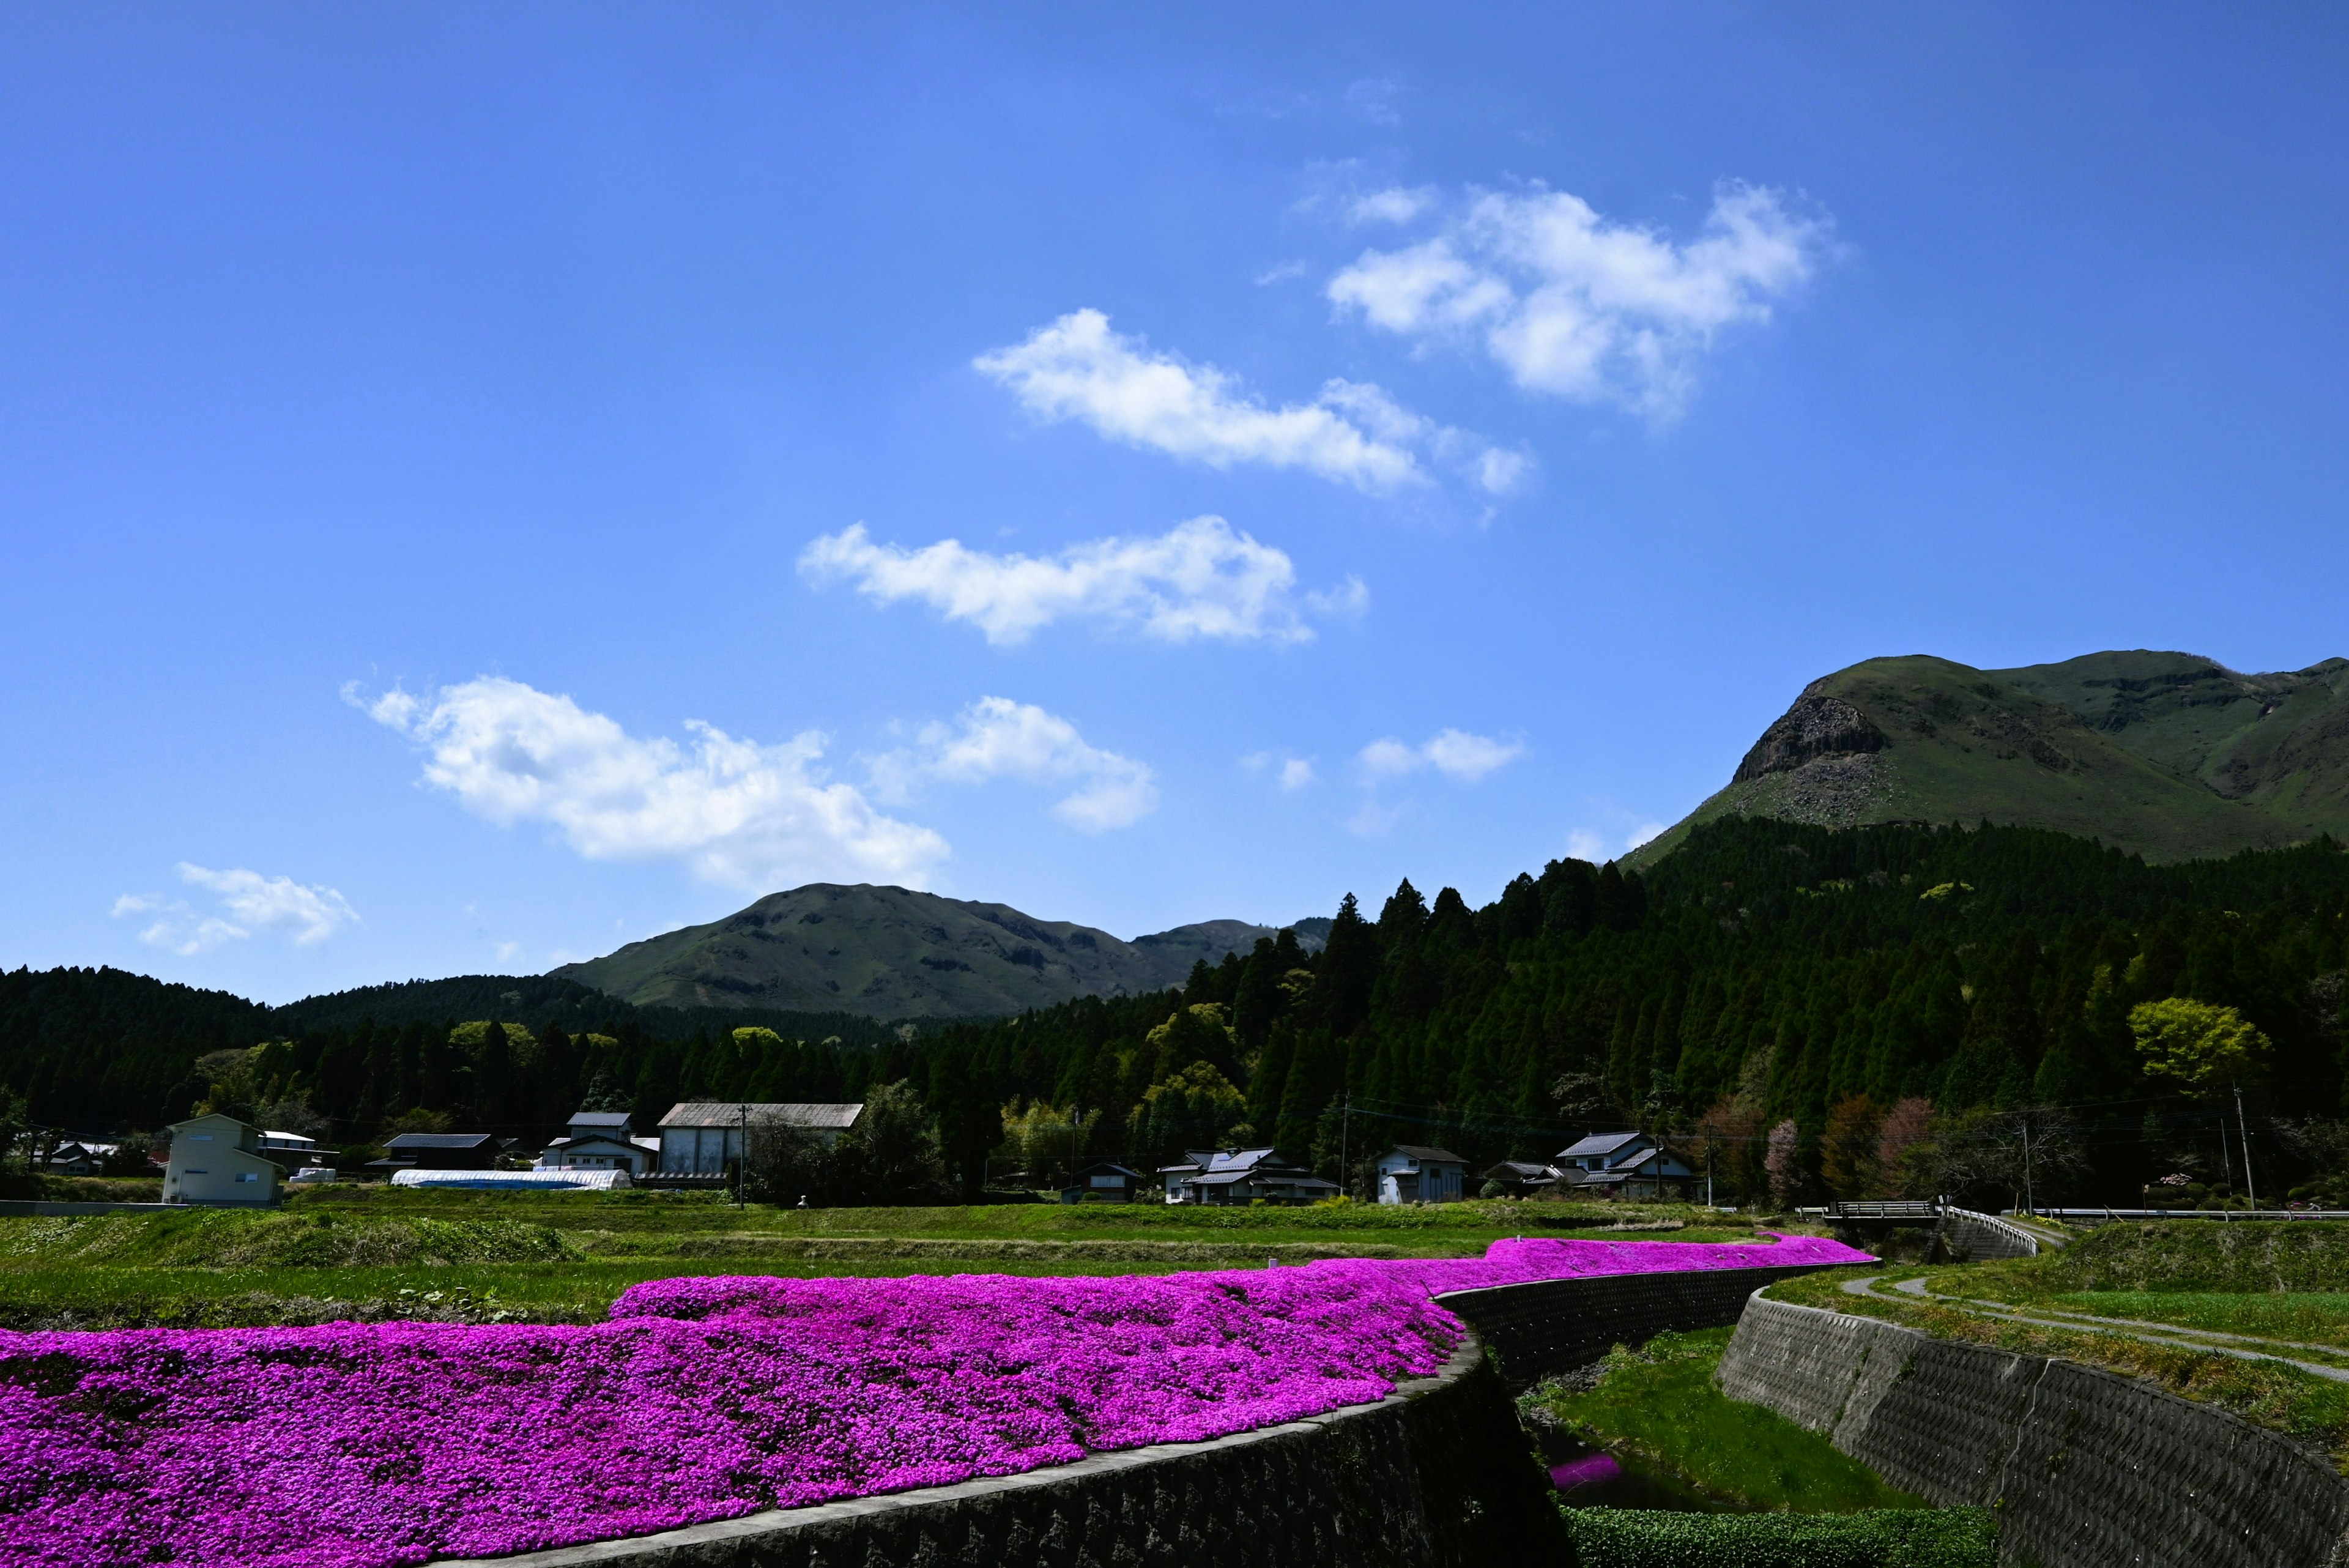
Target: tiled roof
(1420, 1152)
(439, 1141)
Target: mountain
(2170, 754)
(890, 952)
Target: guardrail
(2221, 1214)
(2005, 1239)
(2014, 1235)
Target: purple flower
(374, 1445)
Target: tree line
(1811, 1013)
(1807, 1013)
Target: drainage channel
(1591, 1476)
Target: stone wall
(2087, 1469)
(1435, 1476)
(1555, 1326)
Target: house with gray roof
(438, 1151)
(1624, 1164)
(1242, 1175)
(601, 1141)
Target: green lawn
(2314, 1317)
(1659, 1404)
(353, 1251)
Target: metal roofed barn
(703, 1138)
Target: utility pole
(2226, 1162)
(1345, 1127)
(742, 1160)
(2244, 1127)
(1076, 1122)
(2029, 1206)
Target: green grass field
(376, 1252)
(1659, 1404)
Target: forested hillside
(1866, 997)
(1884, 990)
(895, 953)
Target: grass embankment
(1659, 1404)
(2286, 1280)
(367, 1252)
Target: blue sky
(481, 485)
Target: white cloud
(734, 811)
(1588, 843)
(1291, 774)
(1455, 754)
(248, 902)
(997, 738)
(1374, 98)
(1200, 579)
(1078, 368)
(1389, 759)
(1373, 820)
(1582, 844)
(1462, 755)
(1285, 272)
(1393, 206)
(1571, 304)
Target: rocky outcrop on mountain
(2169, 754)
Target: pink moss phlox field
(379, 1445)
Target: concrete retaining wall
(1435, 1476)
(2087, 1469)
(1555, 1326)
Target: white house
(703, 1138)
(601, 1140)
(218, 1159)
(1412, 1173)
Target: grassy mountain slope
(2168, 754)
(889, 952)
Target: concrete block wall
(1549, 1326)
(2087, 1469)
(1435, 1476)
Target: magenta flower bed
(366, 1446)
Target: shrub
(1903, 1538)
